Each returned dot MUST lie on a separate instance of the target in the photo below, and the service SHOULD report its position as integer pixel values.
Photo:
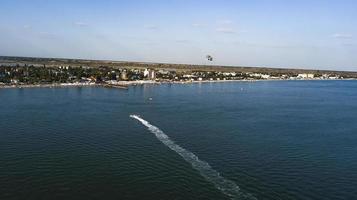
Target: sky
(311, 34)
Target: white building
(146, 73)
(256, 75)
(305, 76)
(229, 74)
(189, 76)
(265, 76)
(152, 74)
(124, 75)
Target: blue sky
(319, 34)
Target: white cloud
(225, 30)
(151, 27)
(342, 36)
(183, 41)
(148, 43)
(27, 26)
(46, 35)
(275, 46)
(81, 24)
(197, 25)
(225, 22)
(349, 44)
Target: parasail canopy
(209, 58)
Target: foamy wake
(226, 186)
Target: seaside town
(22, 76)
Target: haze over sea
(234, 140)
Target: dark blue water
(274, 140)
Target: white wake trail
(226, 186)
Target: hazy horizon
(294, 34)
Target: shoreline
(126, 84)
(61, 85)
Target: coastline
(62, 85)
(126, 84)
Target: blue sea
(234, 140)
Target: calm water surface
(274, 140)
